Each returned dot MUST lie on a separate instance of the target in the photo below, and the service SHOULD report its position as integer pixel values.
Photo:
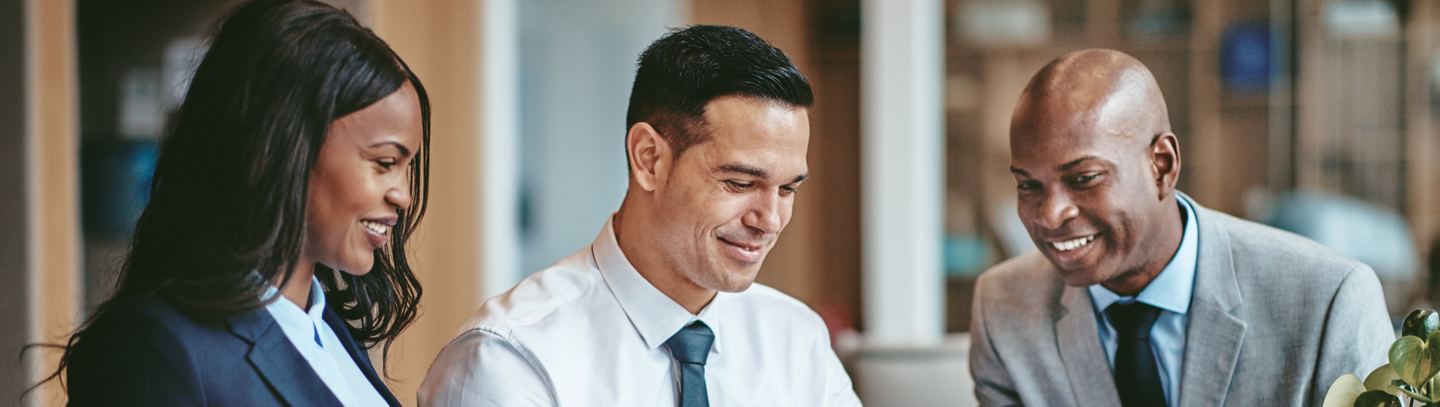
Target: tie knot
(1133, 320)
(691, 344)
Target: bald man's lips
(1071, 249)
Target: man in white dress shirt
(661, 309)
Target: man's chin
(734, 281)
(1079, 278)
(737, 287)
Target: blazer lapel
(1215, 334)
(1080, 350)
(361, 359)
(278, 363)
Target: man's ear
(649, 156)
(1165, 162)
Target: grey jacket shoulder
(1021, 284)
(1269, 261)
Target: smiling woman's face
(360, 182)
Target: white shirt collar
(655, 316)
(291, 317)
(1172, 289)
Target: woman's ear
(649, 156)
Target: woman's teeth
(375, 227)
(1069, 245)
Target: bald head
(1094, 88)
(1095, 168)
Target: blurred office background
(1318, 116)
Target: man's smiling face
(1087, 191)
(727, 199)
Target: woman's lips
(378, 233)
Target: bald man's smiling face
(1088, 192)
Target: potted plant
(1410, 375)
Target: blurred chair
(916, 377)
(1369, 233)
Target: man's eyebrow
(1019, 171)
(745, 169)
(1072, 164)
(801, 177)
(404, 152)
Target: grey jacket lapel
(1085, 360)
(1215, 334)
(277, 361)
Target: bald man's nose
(1055, 210)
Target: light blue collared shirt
(322, 349)
(1170, 292)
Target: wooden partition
(51, 186)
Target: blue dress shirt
(1170, 292)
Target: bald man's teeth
(1069, 245)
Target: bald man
(1137, 295)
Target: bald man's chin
(1080, 278)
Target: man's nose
(766, 214)
(1055, 210)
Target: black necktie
(690, 347)
(1137, 377)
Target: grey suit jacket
(1274, 320)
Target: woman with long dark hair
(272, 252)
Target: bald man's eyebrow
(801, 177)
(745, 169)
(1072, 164)
(1019, 171)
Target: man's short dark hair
(687, 68)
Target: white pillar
(902, 171)
(500, 175)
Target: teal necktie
(690, 347)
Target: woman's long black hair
(230, 187)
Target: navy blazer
(145, 352)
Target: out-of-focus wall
(577, 65)
(14, 245)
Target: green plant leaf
(1376, 398)
(1420, 323)
(1414, 360)
(1383, 379)
(1344, 391)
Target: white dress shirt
(1170, 291)
(589, 331)
(322, 349)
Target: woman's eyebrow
(405, 152)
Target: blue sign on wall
(1245, 58)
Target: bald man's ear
(650, 157)
(1165, 162)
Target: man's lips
(746, 246)
(747, 253)
(1066, 244)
